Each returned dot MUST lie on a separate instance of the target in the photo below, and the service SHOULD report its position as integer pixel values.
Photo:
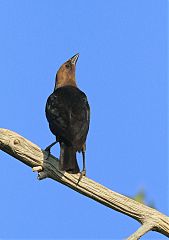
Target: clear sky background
(123, 70)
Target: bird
(68, 114)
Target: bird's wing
(80, 118)
(68, 114)
(56, 113)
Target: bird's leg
(84, 160)
(47, 149)
(83, 172)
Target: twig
(33, 156)
(146, 227)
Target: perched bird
(68, 114)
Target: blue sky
(123, 70)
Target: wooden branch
(33, 156)
(141, 231)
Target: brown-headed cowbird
(68, 114)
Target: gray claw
(82, 174)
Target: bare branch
(141, 231)
(33, 156)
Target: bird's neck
(64, 82)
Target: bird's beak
(74, 59)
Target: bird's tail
(68, 161)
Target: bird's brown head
(66, 74)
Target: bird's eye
(67, 66)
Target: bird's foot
(82, 174)
(47, 150)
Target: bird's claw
(47, 150)
(82, 174)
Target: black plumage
(68, 114)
